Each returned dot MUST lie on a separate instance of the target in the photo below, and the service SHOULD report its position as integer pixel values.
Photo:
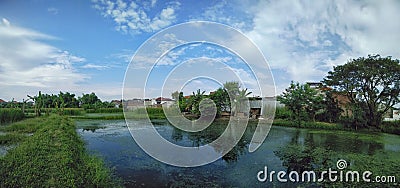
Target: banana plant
(38, 100)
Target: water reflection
(284, 147)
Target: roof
(2, 101)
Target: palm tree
(240, 100)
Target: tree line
(59, 102)
(228, 98)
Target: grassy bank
(53, 157)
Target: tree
(240, 99)
(372, 83)
(221, 100)
(89, 101)
(38, 100)
(302, 100)
(195, 100)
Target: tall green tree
(371, 83)
(302, 100)
(90, 101)
(195, 100)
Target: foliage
(88, 101)
(53, 157)
(308, 124)
(8, 115)
(371, 83)
(392, 127)
(304, 102)
(11, 138)
(221, 100)
(282, 113)
(331, 111)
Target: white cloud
(52, 10)
(135, 17)
(305, 38)
(29, 64)
(94, 66)
(5, 22)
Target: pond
(284, 149)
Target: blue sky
(86, 46)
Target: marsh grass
(9, 115)
(54, 156)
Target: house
(2, 101)
(116, 103)
(161, 101)
(136, 103)
(392, 115)
(259, 106)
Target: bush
(283, 113)
(9, 115)
(392, 127)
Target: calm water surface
(112, 141)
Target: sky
(87, 46)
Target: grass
(9, 115)
(303, 124)
(54, 156)
(105, 110)
(12, 138)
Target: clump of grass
(53, 157)
(9, 115)
(26, 126)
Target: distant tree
(371, 83)
(240, 99)
(195, 100)
(38, 100)
(302, 101)
(221, 100)
(331, 109)
(90, 101)
(175, 95)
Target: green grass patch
(303, 124)
(53, 157)
(105, 110)
(12, 138)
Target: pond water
(111, 140)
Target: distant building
(261, 106)
(161, 101)
(132, 104)
(116, 103)
(2, 101)
(392, 115)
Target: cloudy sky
(86, 46)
